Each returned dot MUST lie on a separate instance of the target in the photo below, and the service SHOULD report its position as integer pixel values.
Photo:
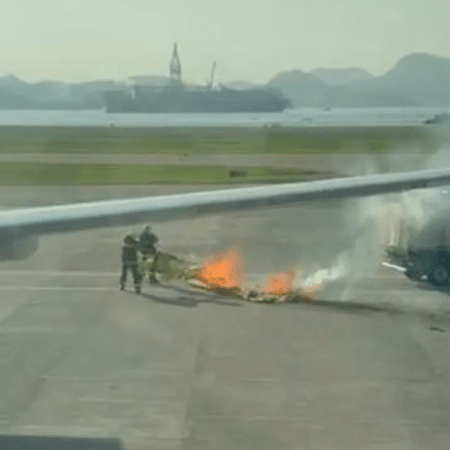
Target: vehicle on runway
(426, 257)
(430, 264)
(438, 119)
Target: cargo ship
(175, 97)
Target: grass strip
(111, 140)
(29, 174)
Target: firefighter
(147, 241)
(130, 262)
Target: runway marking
(138, 399)
(258, 417)
(57, 430)
(394, 266)
(94, 274)
(390, 291)
(354, 291)
(144, 376)
(380, 291)
(58, 288)
(387, 277)
(52, 273)
(106, 288)
(33, 330)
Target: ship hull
(228, 101)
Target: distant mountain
(306, 90)
(423, 78)
(42, 91)
(416, 80)
(151, 80)
(90, 95)
(301, 88)
(335, 77)
(17, 94)
(240, 85)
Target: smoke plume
(374, 222)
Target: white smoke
(439, 160)
(373, 223)
(339, 269)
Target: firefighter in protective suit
(147, 242)
(130, 262)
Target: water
(295, 117)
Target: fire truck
(426, 258)
(432, 264)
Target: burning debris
(280, 283)
(221, 274)
(224, 275)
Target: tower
(175, 68)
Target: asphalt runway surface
(177, 368)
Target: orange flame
(280, 283)
(223, 271)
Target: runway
(177, 368)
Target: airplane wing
(17, 223)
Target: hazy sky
(250, 39)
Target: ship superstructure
(173, 96)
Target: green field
(110, 140)
(30, 174)
(189, 141)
